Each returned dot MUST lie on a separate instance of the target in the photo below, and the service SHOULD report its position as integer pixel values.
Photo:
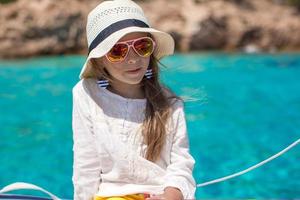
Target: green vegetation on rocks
(6, 1)
(294, 3)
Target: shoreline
(217, 25)
(191, 53)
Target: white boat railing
(29, 186)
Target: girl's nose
(132, 56)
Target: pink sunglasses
(143, 46)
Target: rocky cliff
(39, 27)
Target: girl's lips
(134, 71)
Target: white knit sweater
(108, 147)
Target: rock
(211, 34)
(39, 27)
(177, 38)
(251, 48)
(42, 27)
(249, 39)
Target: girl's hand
(170, 193)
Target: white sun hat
(110, 21)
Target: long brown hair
(158, 107)
(157, 114)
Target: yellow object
(126, 197)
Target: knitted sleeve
(86, 163)
(180, 170)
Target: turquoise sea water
(240, 110)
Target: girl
(130, 139)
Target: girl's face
(132, 69)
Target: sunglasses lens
(144, 47)
(118, 52)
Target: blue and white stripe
(103, 83)
(149, 73)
